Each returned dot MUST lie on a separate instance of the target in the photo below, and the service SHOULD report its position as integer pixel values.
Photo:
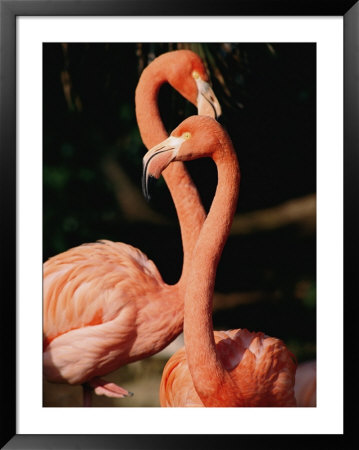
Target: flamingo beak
(207, 102)
(157, 159)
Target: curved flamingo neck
(148, 115)
(211, 380)
(185, 196)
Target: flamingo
(306, 384)
(221, 368)
(105, 304)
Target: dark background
(92, 163)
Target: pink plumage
(306, 384)
(103, 309)
(261, 366)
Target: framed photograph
(80, 107)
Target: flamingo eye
(195, 74)
(186, 135)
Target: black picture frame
(9, 10)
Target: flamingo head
(196, 137)
(186, 73)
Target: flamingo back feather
(261, 367)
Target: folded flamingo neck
(185, 196)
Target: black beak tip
(147, 184)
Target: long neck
(210, 379)
(191, 214)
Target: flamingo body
(261, 367)
(103, 308)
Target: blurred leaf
(55, 177)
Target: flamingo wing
(91, 284)
(262, 368)
(94, 296)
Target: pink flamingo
(306, 384)
(105, 303)
(224, 368)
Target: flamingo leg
(87, 394)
